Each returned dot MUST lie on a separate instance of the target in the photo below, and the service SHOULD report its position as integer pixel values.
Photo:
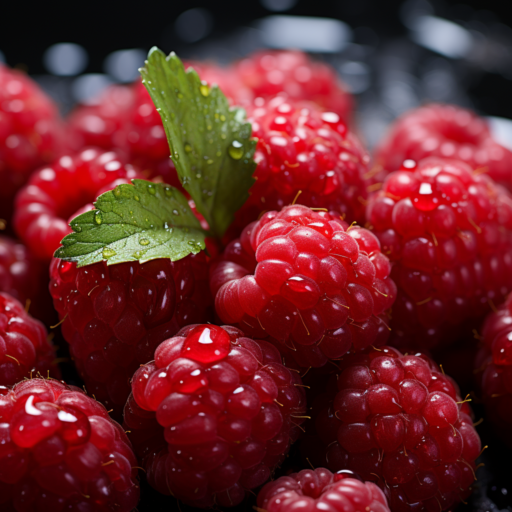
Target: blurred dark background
(392, 55)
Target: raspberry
(447, 232)
(302, 149)
(307, 280)
(494, 369)
(213, 415)
(269, 73)
(24, 346)
(124, 118)
(24, 278)
(30, 133)
(114, 316)
(54, 193)
(59, 450)
(399, 421)
(445, 131)
(311, 491)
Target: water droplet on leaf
(98, 218)
(236, 150)
(108, 253)
(144, 241)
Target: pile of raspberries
(294, 367)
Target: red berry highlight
(398, 421)
(493, 369)
(30, 133)
(61, 451)
(310, 491)
(448, 232)
(54, 193)
(445, 131)
(213, 415)
(115, 316)
(24, 346)
(309, 281)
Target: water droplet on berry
(66, 416)
(425, 199)
(204, 89)
(206, 344)
(144, 241)
(29, 407)
(98, 218)
(108, 253)
(236, 150)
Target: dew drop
(108, 253)
(98, 218)
(206, 344)
(152, 189)
(204, 89)
(78, 229)
(188, 148)
(117, 192)
(144, 241)
(175, 212)
(236, 150)
(168, 191)
(137, 198)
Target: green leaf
(211, 144)
(138, 222)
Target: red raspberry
(269, 73)
(494, 369)
(448, 233)
(399, 421)
(213, 415)
(306, 279)
(124, 118)
(312, 491)
(59, 450)
(114, 316)
(24, 346)
(445, 131)
(20, 273)
(303, 149)
(54, 193)
(30, 133)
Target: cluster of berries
(200, 356)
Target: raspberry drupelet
(312, 491)
(30, 133)
(24, 346)
(445, 131)
(304, 149)
(399, 421)
(448, 233)
(269, 73)
(114, 316)
(213, 415)
(309, 281)
(59, 450)
(54, 193)
(494, 369)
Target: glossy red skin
(24, 346)
(308, 281)
(31, 133)
(400, 422)
(61, 451)
(445, 131)
(448, 233)
(213, 415)
(55, 192)
(114, 316)
(493, 369)
(319, 489)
